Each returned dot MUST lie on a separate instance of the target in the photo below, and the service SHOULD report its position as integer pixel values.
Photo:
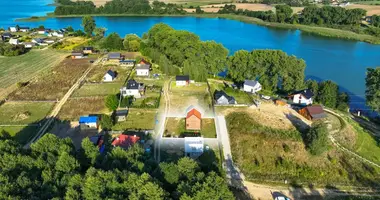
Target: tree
(99, 32)
(106, 122)
(313, 86)
(328, 93)
(170, 172)
(132, 42)
(70, 29)
(342, 103)
(88, 23)
(372, 92)
(187, 168)
(112, 42)
(4, 135)
(90, 151)
(66, 163)
(317, 138)
(198, 10)
(112, 102)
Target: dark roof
(251, 83)
(307, 93)
(132, 84)
(316, 112)
(221, 93)
(112, 73)
(182, 78)
(142, 66)
(39, 40)
(114, 55)
(88, 48)
(7, 34)
(77, 53)
(24, 28)
(121, 112)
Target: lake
(342, 61)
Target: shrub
(112, 102)
(316, 139)
(106, 122)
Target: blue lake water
(342, 61)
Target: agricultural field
(53, 85)
(371, 9)
(271, 155)
(137, 118)
(101, 89)
(76, 107)
(175, 127)
(215, 7)
(195, 94)
(241, 97)
(23, 68)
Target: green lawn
(22, 68)
(138, 119)
(23, 113)
(22, 134)
(366, 145)
(102, 89)
(208, 128)
(240, 96)
(176, 127)
(192, 87)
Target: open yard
(195, 94)
(151, 99)
(23, 68)
(52, 85)
(175, 127)
(76, 107)
(101, 89)
(241, 97)
(97, 74)
(144, 119)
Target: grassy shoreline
(315, 30)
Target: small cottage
(142, 70)
(313, 113)
(14, 41)
(251, 86)
(77, 55)
(114, 56)
(13, 29)
(6, 36)
(121, 115)
(88, 50)
(133, 88)
(109, 76)
(182, 80)
(41, 31)
(24, 29)
(303, 97)
(86, 122)
(193, 119)
(221, 98)
(194, 147)
(125, 141)
(38, 41)
(127, 63)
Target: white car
(282, 198)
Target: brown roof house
(193, 119)
(313, 112)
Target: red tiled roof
(194, 112)
(144, 62)
(125, 141)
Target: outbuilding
(29, 45)
(182, 80)
(88, 50)
(24, 29)
(252, 86)
(193, 120)
(121, 115)
(114, 56)
(142, 70)
(88, 122)
(109, 76)
(194, 146)
(313, 113)
(77, 55)
(14, 41)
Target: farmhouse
(182, 80)
(221, 98)
(127, 63)
(251, 86)
(77, 55)
(142, 70)
(121, 115)
(86, 122)
(109, 76)
(114, 56)
(88, 50)
(125, 141)
(13, 29)
(194, 147)
(14, 41)
(313, 112)
(193, 119)
(24, 29)
(133, 88)
(28, 45)
(303, 97)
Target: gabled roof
(143, 61)
(218, 94)
(125, 141)
(194, 112)
(114, 55)
(121, 112)
(7, 34)
(316, 112)
(88, 119)
(251, 83)
(24, 28)
(142, 66)
(132, 84)
(182, 78)
(111, 73)
(88, 48)
(77, 53)
(39, 40)
(307, 93)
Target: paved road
(51, 117)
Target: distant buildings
(88, 50)
(182, 80)
(251, 86)
(77, 55)
(303, 97)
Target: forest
(53, 169)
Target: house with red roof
(193, 119)
(125, 141)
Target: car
(282, 198)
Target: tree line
(67, 7)
(53, 169)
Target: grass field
(208, 128)
(138, 119)
(240, 96)
(22, 134)
(22, 68)
(23, 113)
(97, 74)
(105, 89)
(175, 127)
(74, 108)
(52, 85)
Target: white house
(24, 29)
(14, 41)
(142, 70)
(41, 31)
(88, 122)
(28, 45)
(133, 88)
(49, 41)
(13, 29)
(252, 86)
(77, 55)
(194, 146)
(304, 97)
(58, 34)
(38, 41)
(109, 76)
(182, 80)
(221, 98)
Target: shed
(28, 45)
(14, 41)
(314, 112)
(109, 76)
(221, 98)
(88, 121)
(121, 115)
(193, 120)
(142, 70)
(182, 80)
(88, 50)
(128, 63)
(24, 29)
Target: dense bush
(316, 139)
(7, 49)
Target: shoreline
(315, 30)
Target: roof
(77, 53)
(194, 144)
(7, 34)
(194, 112)
(41, 29)
(89, 119)
(251, 83)
(142, 66)
(28, 43)
(39, 40)
(114, 55)
(88, 48)
(111, 73)
(121, 112)
(221, 93)
(182, 78)
(143, 61)
(13, 40)
(24, 28)
(316, 112)
(307, 93)
(125, 141)
(132, 84)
